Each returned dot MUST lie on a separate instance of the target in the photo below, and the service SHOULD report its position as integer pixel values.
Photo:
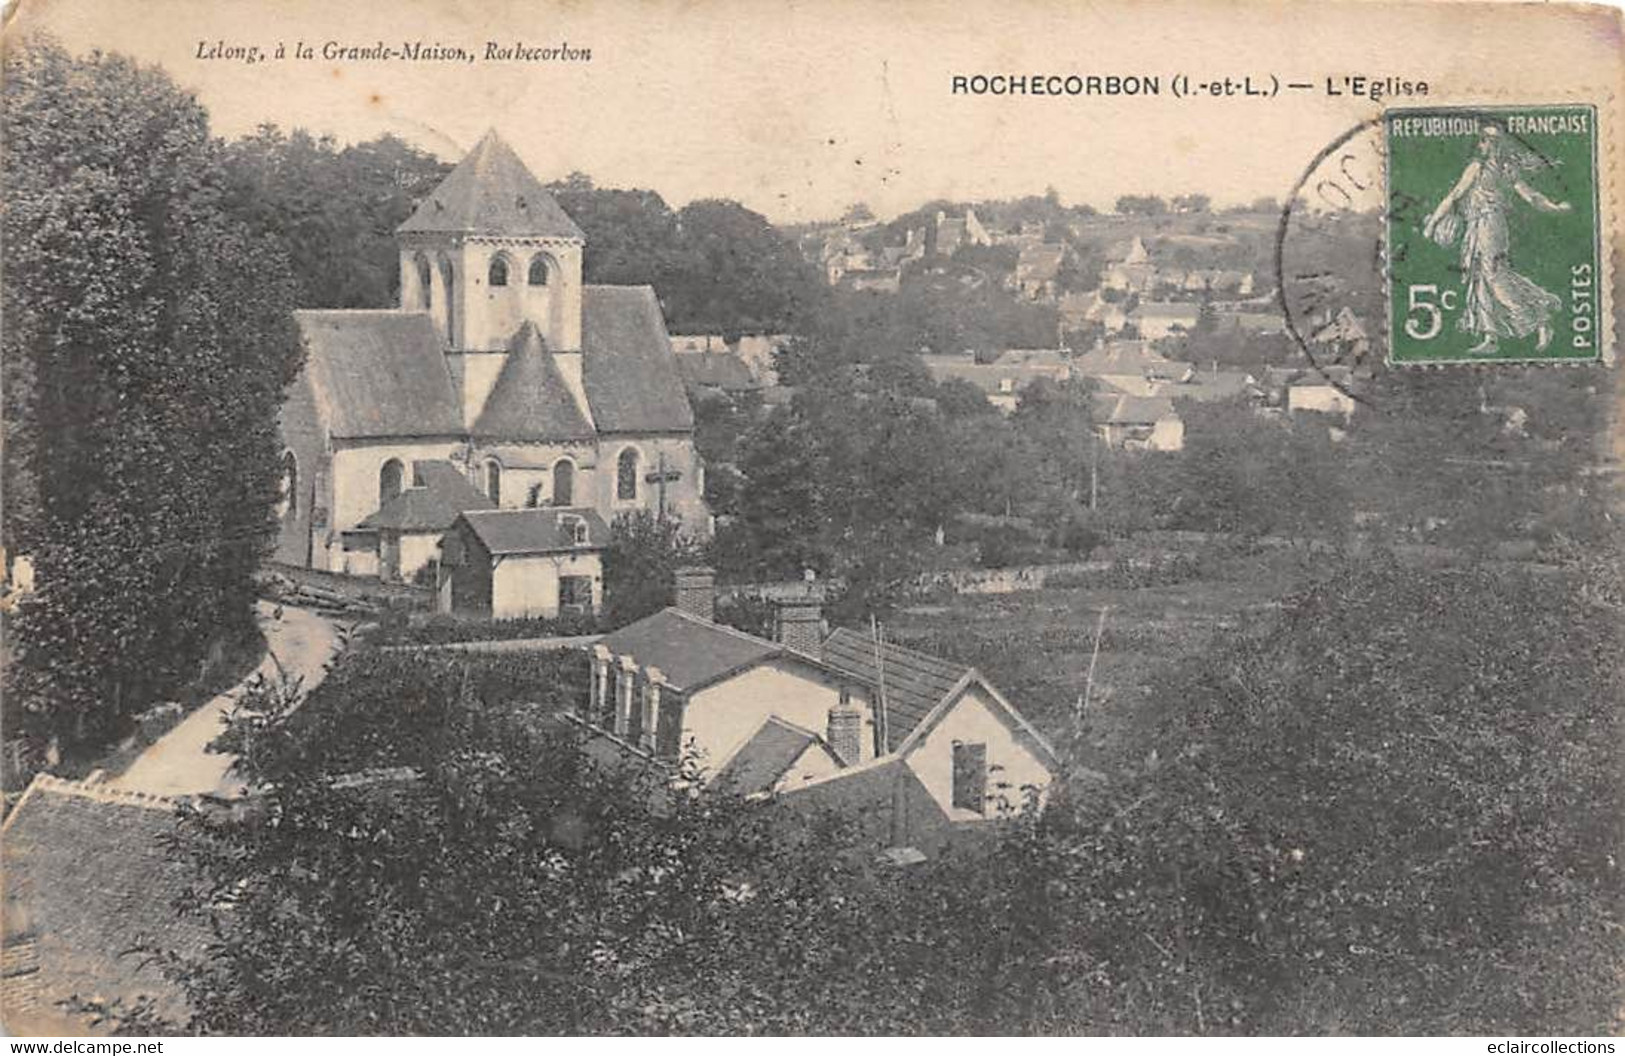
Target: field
(1036, 645)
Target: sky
(799, 109)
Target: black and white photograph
(671, 518)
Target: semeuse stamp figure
(1508, 250)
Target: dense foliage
(333, 209)
(147, 343)
(717, 267)
(1361, 820)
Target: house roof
(915, 682)
(440, 494)
(717, 370)
(691, 652)
(759, 764)
(491, 191)
(1039, 263)
(88, 873)
(630, 372)
(529, 400)
(1119, 357)
(542, 530)
(379, 373)
(1141, 410)
(884, 799)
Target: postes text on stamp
(1492, 235)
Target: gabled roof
(441, 492)
(915, 682)
(529, 400)
(1041, 262)
(759, 764)
(492, 192)
(629, 370)
(1141, 410)
(692, 653)
(379, 373)
(542, 530)
(89, 872)
(717, 370)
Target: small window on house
(389, 480)
(626, 475)
(493, 482)
(538, 271)
(499, 271)
(970, 776)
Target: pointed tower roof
(492, 192)
(530, 400)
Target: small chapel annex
(501, 382)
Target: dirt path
(180, 763)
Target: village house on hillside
(500, 363)
(877, 730)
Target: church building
(501, 382)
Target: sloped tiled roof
(717, 370)
(380, 373)
(915, 682)
(690, 652)
(491, 191)
(88, 870)
(1039, 263)
(530, 401)
(541, 530)
(630, 372)
(762, 760)
(1178, 310)
(1141, 410)
(883, 799)
(442, 492)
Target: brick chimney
(845, 731)
(696, 592)
(798, 619)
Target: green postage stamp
(1493, 235)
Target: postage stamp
(1494, 249)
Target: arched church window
(425, 282)
(493, 482)
(564, 482)
(447, 280)
(290, 485)
(499, 271)
(538, 271)
(389, 480)
(626, 475)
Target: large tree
(334, 210)
(147, 344)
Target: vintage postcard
(752, 517)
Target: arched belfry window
(425, 282)
(493, 482)
(626, 475)
(290, 485)
(389, 480)
(538, 271)
(564, 482)
(448, 279)
(499, 270)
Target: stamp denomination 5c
(1493, 235)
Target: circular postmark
(1476, 245)
(1329, 259)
